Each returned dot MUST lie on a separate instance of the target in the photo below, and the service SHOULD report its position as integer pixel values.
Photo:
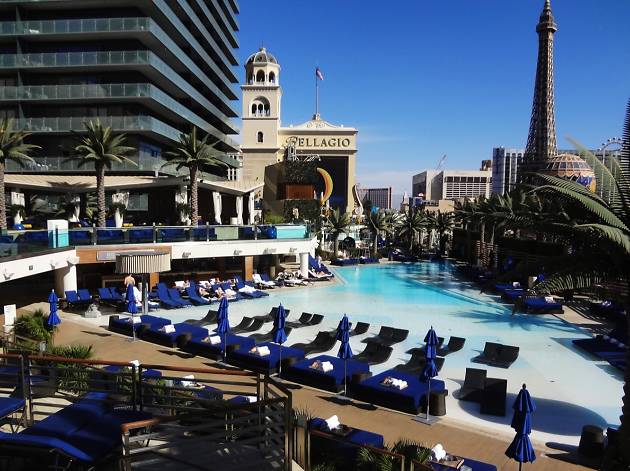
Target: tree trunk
(411, 241)
(3, 202)
(335, 245)
(100, 195)
(375, 243)
(194, 197)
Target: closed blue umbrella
(223, 322)
(53, 318)
(132, 309)
(521, 448)
(279, 335)
(345, 352)
(430, 370)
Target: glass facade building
(151, 69)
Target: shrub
(72, 377)
(33, 326)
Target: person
(129, 280)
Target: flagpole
(316, 95)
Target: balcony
(116, 91)
(99, 59)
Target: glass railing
(19, 243)
(113, 25)
(118, 123)
(113, 58)
(95, 91)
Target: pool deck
(456, 436)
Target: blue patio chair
(116, 296)
(165, 298)
(85, 296)
(105, 294)
(194, 297)
(73, 300)
(175, 296)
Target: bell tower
(262, 97)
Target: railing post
(207, 231)
(154, 234)
(255, 231)
(93, 234)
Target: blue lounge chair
(73, 300)
(250, 294)
(510, 295)
(540, 306)
(356, 436)
(269, 363)
(165, 297)
(183, 332)
(202, 347)
(302, 373)
(123, 326)
(116, 296)
(105, 294)
(13, 410)
(85, 296)
(175, 296)
(194, 297)
(411, 399)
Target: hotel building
(266, 142)
(379, 197)
(434, 185)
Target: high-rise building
(505, 164)
(434, 185)
(149, 69)
(624, 158)
(379, 197)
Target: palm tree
(596, 232)
(101, 147)
(337, 223)
(382, 222)
(195, 154)
(12, 147)
(442, 223)
(412, 223)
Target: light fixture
(185, 254)
(7, 275)
(293, 250)
(270, 250)
(74, 260)
(238, 252)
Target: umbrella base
(343, 398)
(423, 419)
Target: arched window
(260, 107)
(260, 76)
(254, 107)
(272, 77)
(259, 136)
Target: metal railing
(217, 415)
(79, 25)
(21, 242)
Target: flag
(318, 74)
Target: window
(259, 136)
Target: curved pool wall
(571, 389)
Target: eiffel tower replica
(541, 142)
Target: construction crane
(440, 165)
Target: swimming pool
(571, 389)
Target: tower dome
(571, 167)
(261, 57)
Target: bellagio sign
(319, 142)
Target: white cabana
(216, 200)
(250, 207)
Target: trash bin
(592, 441)
(437, 403)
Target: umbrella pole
(280, 364)
(428, 397)
(345, 376)
(224, 345)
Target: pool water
(570, 388)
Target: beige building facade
(266, 142)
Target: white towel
(399, 383)
(168, 329)
(134, 320)
(263, 351)
(179, 284)
(210, 330)
(215, 340)
(327, 366)
(549, 299)
(333, 422)
(251, 399)
(614, 341)
(135, 363)
(190, 382)
(439, 453)
(247, 289)
(516, 284)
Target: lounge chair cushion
(243, 357)
(301, 372)
(9, 405)
(198, 347)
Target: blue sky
(422, 78)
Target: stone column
(304, 264)
(248, 267)
(65, 279)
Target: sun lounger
(512, 295)
(74, 301)
(13, 412)
(182, 332)
(244, 358)
(271, 315)
(541, 306)
(124, 326)
(417, 362)
(165, 298)
(494, 397)
(86, 433)
(600, 345)
(303, 373)
(316, 319)
(411, 399)
(474, 384)
(374, 354)
(263, 281)
(455, 344)
(244, 324)
(105, 297)
(389, 336)
(506, 356)
(302, 321)
(360, 329)
(193, 296)
(323, 342)
(249, 291)
(356, 436)
(490, 353)
(268, 336)
(255, 325)
(202, 347)
(116, 295)
(209, 318)
(175, 296)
